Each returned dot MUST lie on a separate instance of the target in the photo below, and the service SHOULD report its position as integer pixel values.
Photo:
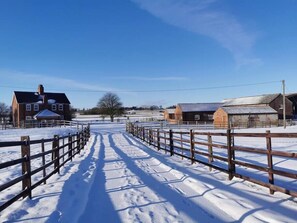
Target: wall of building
(253, 120)
(277, 105)
(220, 119)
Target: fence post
(158, 139)
(192, 146)
(231, 165)
(269, 159)
(78, 142)
(210, 151)
(143, 134)
(56, 154)
(70, 146)
(26, 166)
(43, 159)
(171, 142)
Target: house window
(36, 107)
(60, 107)
(28, 117)
(28, 107)
(197, 117)
(54, 107)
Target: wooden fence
(227, 157)
(53, 159)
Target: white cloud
(200, 16)
(135, 78)
(50, 82)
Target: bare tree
(4, 111)
(110, 105)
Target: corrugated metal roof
(249, 110)
(252, 100)
(199, 107)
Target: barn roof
(290, 95)
(252, 100)
(34, 97)
(241, 110)
(199, 107)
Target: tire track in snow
(167, 185)
(247, 206)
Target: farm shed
(274, 101)
(246, 117)
(293, 99)
(195, 112)
(169, 115)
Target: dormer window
(60, 107)
(36, 107)
(54, 107)
(28, 107)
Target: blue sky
(137, 48)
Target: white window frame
(36, 107)
(54, 107)
(28, 107)
(28, 117)
(60, 107)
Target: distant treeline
(96, 111)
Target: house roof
(199, 107)
(46, 114)
(249, 110)
(252, 100)
(34, 97)
(170, 110)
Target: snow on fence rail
(218, 150)
(55, 152)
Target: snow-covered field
(120, 179)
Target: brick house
(40, 106)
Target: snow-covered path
(120, 179)
(139, 188)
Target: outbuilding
(245, 117)
(293, 98)
(195, 112)
(169, 115)
(274, 101)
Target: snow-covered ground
(120, 179)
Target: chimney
(45, 100)
(40, 89)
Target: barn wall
(178, 114)
(277, 105)
(253, 120)
(293, 99)
(169, 117)
(203, 116)
(220, 119)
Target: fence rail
(224, 155)
(38, 124)
(62, 149)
